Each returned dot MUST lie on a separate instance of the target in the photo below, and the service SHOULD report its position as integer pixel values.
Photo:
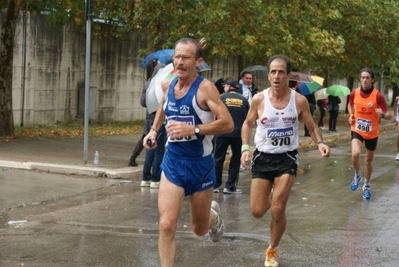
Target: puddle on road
(231, 237)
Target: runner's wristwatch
(196, 130)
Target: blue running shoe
(366, 192)
(356, 181)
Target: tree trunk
(6, 63)
(395, 93)
(350, 82)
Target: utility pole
(87, 81)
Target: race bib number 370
(280, 137)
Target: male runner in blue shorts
(194, 113)
(275, 160)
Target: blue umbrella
(307, 88)
(163, 56)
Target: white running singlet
(277, 129)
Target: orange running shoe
(271, 258)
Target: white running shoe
(229, 192)
(145, 183)
(217, 229)
(154, 185)
(397, 157)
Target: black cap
(232, 83)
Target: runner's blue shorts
(192, 174)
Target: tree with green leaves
(331, 38)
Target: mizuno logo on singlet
(273, 133)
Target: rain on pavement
(80, 221)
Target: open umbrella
(318, 79)
(163, 56)
(154, 92)
(338, 90)
(203, 67)
(321, 94)
(258, 70)
(307, 88)
(300, 77)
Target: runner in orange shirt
(366, 106)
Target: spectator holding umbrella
(312, 106)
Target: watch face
(196, 130)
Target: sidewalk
(66, 155)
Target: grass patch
(76, 129)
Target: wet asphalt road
(76, 221)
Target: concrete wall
(49, 76)
(55, 74)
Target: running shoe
(271, 258)
(154, 185)
(366, 192)
(217, 229)
(229, 192)
(145, 183)
(356, 181)
(397, 157)
(216, 190)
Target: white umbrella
(258, 70)
(321, 94)
(154, 92)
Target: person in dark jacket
(312, 105)
(333, 109)
(238, 107)
(322, 104)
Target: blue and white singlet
(187, 110)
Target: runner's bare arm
(159, 118)
(246, 129)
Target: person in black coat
(312, 105)
(333, 109)
(238, 107)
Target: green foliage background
(328, 37)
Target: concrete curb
(122, 173)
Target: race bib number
(184, 119)
(280, 137)
(363, 125)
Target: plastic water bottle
(96, 159)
